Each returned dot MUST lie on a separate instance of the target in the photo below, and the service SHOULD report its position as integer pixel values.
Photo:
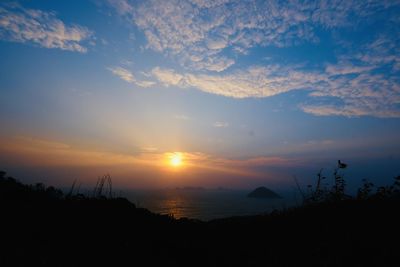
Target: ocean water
(206, 204)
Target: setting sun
(176, 159)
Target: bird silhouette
(341, 165)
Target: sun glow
(176, 159)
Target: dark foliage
(337, 192)
(42, 227)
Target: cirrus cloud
(23, 25)
(207, 38)
(200, 33)
(354, 90)
(128, 76)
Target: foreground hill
(42, 227)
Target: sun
(176, 159)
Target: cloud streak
(344, 90)
(128, 76)
(221, 124)
(256, 81)
(22, 25)
(34, 152)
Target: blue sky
(249, 92)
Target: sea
(207, 204)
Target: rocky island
(263, 192)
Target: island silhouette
(263, 192)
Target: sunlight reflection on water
(205, 204)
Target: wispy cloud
(22, 25)
(365, 81)
(254, 82)
(168, 77)
(221, 124)
(181, 117)
(128, 76)
(346, 90)
(124, 74)
(346, 69)
(357, 95)
(206, 37)
(149, 149)
(122, 6)
(199, 33)
(41, 152)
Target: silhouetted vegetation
(42, 226)
(337, 192)
(11, 189)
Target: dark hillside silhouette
(40, 226)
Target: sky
(239, 93)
